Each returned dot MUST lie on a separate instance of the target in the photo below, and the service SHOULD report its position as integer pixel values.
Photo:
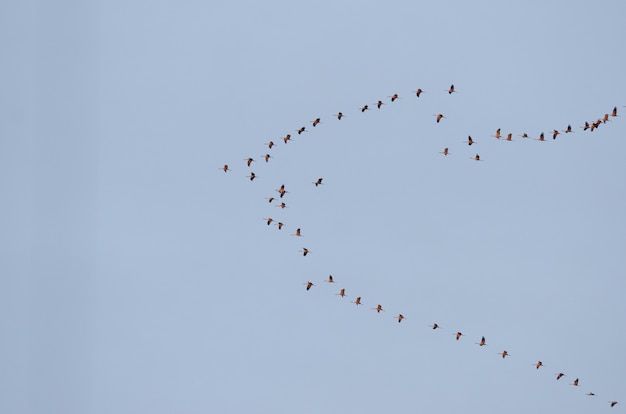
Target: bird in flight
(445, 151)
(575, 383)
(497, 135)
(318, 182)
(282, 191)
(309, 285)
(559, 376)
(504, 354)
(252, 176)
(249, 160)
(379, 308)
(357, 301)
(458, 335)
(541, 137)
(287, 138)
(339, 115)
(301, 130)
(270, 199)
(509, 137)
(297, 233)
(267, 157)
(418, 92)
(364, 108)
(394, 97)
(304, 251)
(451, 90)
(280, 225)
(341, 293)
(399, 317)
(379, 104)
(270, 144)
(538, 364)
(555, 133)
(225, 168)
(330, 279)
(524, 135)
(269, 220)
(475, 157)
(439, 117)
(469, 141)
(482, 342)
(316, 121)
(613, 403)
(568, 129)
(434, 326)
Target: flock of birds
(589, 126)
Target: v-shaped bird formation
(588, 126)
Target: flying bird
(469, 141)
(270, 199)
(287, 138)
(341, 293)
(379, 308)
(559, 376)
(379, 104)
(524, 135)
(418, 92)
(252, 176)
(304, 251)
(614, 113)
(482, 342)
(458, 335)
(269, 220)
(393, 97)
(318, 182)
(339, 115)
(568, 129)
(297, 233)
(364, 108)
(541, 137)
(357, 301)
(280, 225)
(330, 279)
(249, 160)
(575, 383)
(267, 157)
(586, 127)
(555, 133)
(309, 285)
(497, 135)
(504, 354)
(270, 144)
(538, 364)
(444, 152)
(475, 157)
(281, 205)
(439, 116)
(434, 326)
(282, 190)
(451, 90)
(225, 168)
(590, 394)
(613, 403)
(315, 122)
(301, 130)
(509, 137)
(399, 317)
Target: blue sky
(137, 276)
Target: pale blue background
(136, 277)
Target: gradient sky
(136, 276)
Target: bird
(304, 251)
(482, 342)
(267, 157)
(458, 335)
(379, 104)
(504, 354)
(469, 141)
(439, 116)
(451, 90)
(252, 176)
(270, 144)
(341, 293)
(586, 127)
(330, 279)
(434, 326)
(316, 121)
(270, 199)
(476, 157)
(339, 115)
(568, 129)
(555, 133)
(309, 285)
(538, 364)
(318, 182)
(445, 151)
(509, 137)
(394, 97)
(287, 138)
(282, 205)
(605, 119)
(559, 376)
(613, 403)
(590, 394)
(357, 301)
(364, 108)
(575, 383)
(282, 191)
(269, 220)
(541, 138)
(524, 135)
(280, 225)
(301, 130)
(399, 317)
(249, 160)
(614, 113)
(418, 92)
(379, 308)
(497, 135)
(297, 233)
(225, 168)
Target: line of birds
(457, 334)
(282, 191)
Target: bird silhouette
(559, 376)
(249, 160)
(399, 317)
(482, 342)
(309, 285)
(225, 168)
(315, 122)
(613, 403)
(451, 90)
(267, 157)
(304, 251)
(538, 364)
(394, 97)
(301, 130)
(280, 225)
(379, 308)
(270, 144)
(568, 129)
(458, 335)
(541, 137)
(341, 293)
(364, 108)
(287, 138)
(504, 354)
(357, 301)
(469, 141)
(575, 383)
(252, 176)
(475, 157)
(379, 104)
(497, 135)
(418, 92)
(339, 115)
(269, 220)
(439, 117)
(330, 279)
(297, 233)
(445, 151)
(318, 182)
(434, 326)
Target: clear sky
(136, 276)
